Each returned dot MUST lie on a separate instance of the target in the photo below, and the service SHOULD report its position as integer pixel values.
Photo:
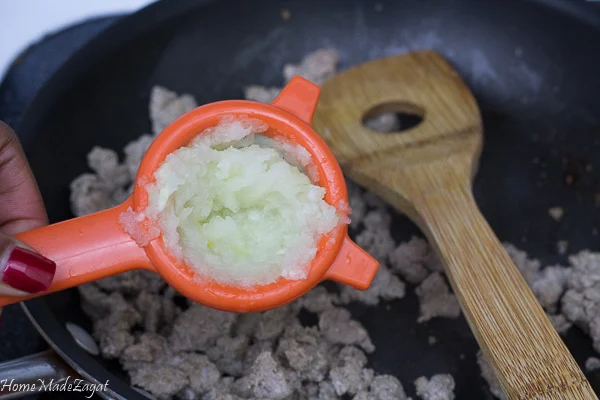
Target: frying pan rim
(589, 14)
(130, 26)
(29, 311)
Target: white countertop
(23, 22)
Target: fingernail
(28, 271)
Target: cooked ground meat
(174, 348)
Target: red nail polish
(28, 271)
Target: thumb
(22, 269)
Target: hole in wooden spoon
(393, 117)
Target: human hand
(22, 269)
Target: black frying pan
(533, 66)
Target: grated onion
(238, 207)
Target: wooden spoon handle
(510, 325)
(426, 172)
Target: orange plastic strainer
(96, 246)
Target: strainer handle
(84, 249)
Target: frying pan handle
(27, 375)
(299, 98)
(85, 249)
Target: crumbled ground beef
(439, 387)
(188, 351)
(435, 299)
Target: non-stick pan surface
(532, 65)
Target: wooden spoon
(426, 172)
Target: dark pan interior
(533, 67)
